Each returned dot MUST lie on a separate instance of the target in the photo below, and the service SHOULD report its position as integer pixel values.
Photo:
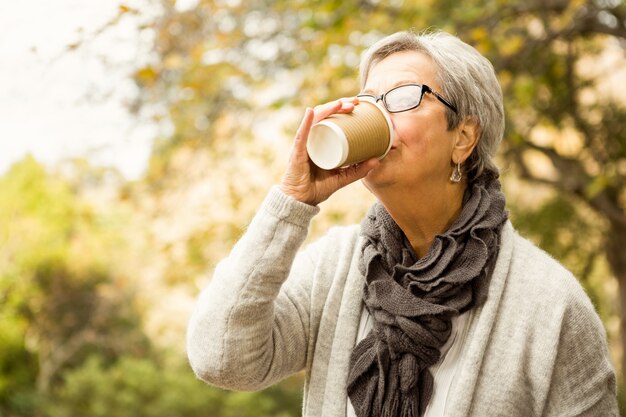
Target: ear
(466, 139)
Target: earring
(456, 174)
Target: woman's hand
(308, 183)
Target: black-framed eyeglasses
(407, 97)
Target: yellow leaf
(146, 75)
(596, 186)
(512, 45)
(173, 61)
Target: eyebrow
(368, 91)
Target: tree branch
(569, 181)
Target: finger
(346, 107)
(358, 171)
(298, 151)
(305, 126)
(349, 100)
(324, 110)
(348, 103)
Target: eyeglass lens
(403, 98)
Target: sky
(57, 103)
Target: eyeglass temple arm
(443, 100)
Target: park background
(175, 119)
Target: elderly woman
(433, 305)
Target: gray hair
(467, 80)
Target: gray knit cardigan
(535, 348)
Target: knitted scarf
(412, 301)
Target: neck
(421, 222)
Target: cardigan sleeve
(583, 378)
(248, 330)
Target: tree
(152, 387)
(60, 301)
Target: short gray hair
(467, 80)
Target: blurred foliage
(59, 302)
(98, 275)
(72, 331)
(144, 387)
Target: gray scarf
(412, 301)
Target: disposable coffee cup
(348, 138)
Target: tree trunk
(616, 256)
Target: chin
(378, 179)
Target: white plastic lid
(327, 145)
